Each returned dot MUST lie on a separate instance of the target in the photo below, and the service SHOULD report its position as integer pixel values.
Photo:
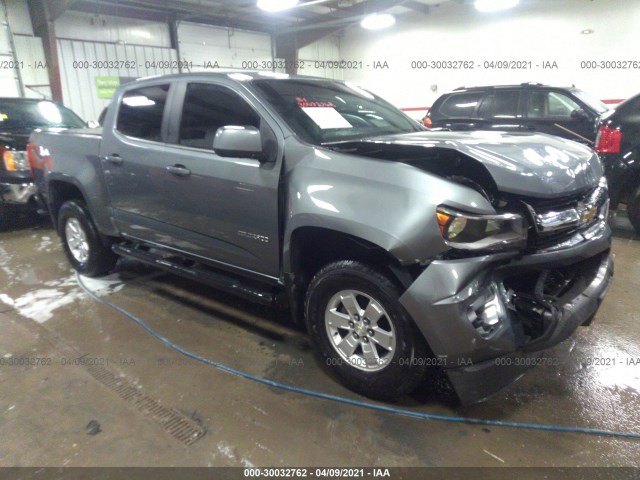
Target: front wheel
(82, 244)
(633, 209)
(362, 333)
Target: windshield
(594, 103)
(27, 115)
(324, 112)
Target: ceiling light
(495, 5)
(378, 21)
(587, 31)
(276, 5)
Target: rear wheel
(362, 333)
(82, 244)
(633, 209)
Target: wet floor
(46, 320)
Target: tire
(82, 244)
(387, 374)
(633, 209)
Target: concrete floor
(45, 409)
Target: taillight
(427, 122)
(608, 140)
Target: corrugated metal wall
(82, 61)
(8, 74)
(322, 59)
(91, 46)
(112, 29)
(35, 76)
(206, 45)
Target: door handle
(113, 158)
(179, 170)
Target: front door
(223, 208)
(556, 113)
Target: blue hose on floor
(349, 401)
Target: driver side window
(208, 107)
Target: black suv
(618, 144)
(565, 112)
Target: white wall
(111, 29)
(536, 31)
(79, 89)
(19, 19)
(321, 58)
(207, 46)
(30, 51)
(120, 47)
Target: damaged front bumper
(488, 319)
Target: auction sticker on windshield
(323, 114)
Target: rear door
(134, 160)
(558, 113)
(457, 111)
(500, 110)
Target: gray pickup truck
(400, 249)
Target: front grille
(582, 210)
(544, 241)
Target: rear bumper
(469, 315)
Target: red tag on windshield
(304, 103)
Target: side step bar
(220, 281)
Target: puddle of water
(40, 304)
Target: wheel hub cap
(77, 240)
(360, 330)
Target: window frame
(548, 117)
(173, 132)
(474, 113)
(495, 92)
(166, 113)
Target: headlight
(15, 161)
(467, 231)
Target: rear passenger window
(500, 105)
(460, 104)
(140, 113)
(208, 107)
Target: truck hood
(535, 165)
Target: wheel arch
(59, 191)
(309, 248)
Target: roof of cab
(238, 75)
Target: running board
(200, 273)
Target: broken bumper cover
(469, 319)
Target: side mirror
(579, 114)
(238, 141)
